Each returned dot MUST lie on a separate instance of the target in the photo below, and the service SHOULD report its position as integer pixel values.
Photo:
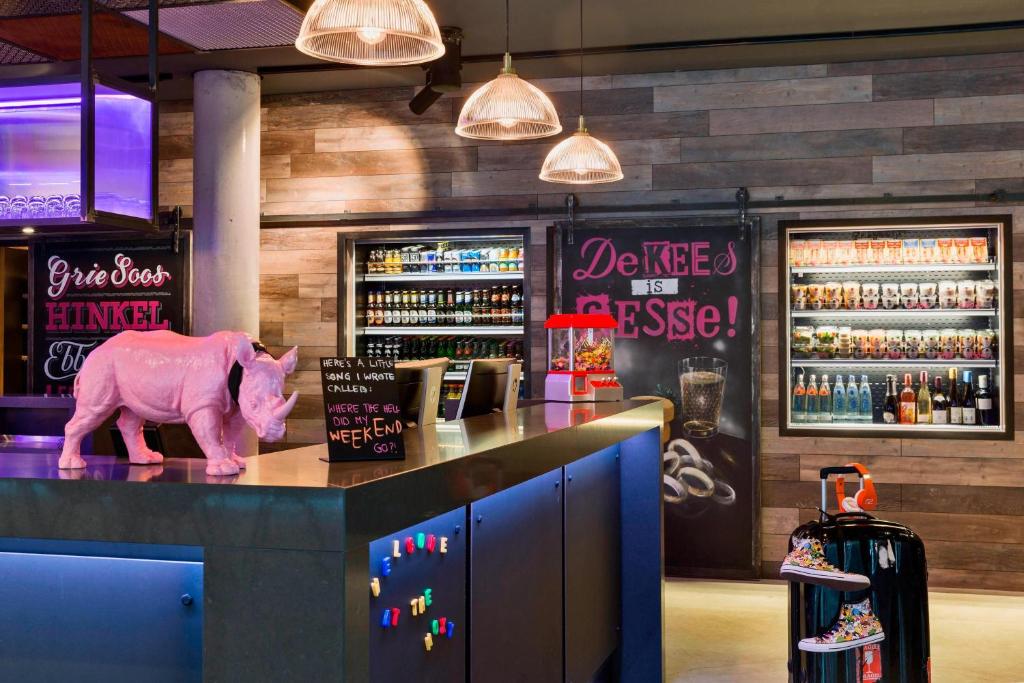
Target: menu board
(682, 297)
(85, 291)
(361, 409)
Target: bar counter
(269, 572)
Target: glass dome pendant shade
(581, 160)
(371, 32)
(508, 108)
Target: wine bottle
(967, 400)
(824, 401)
(839, 400)
(890, 408)
(924, 401)
(799, 400)
(956, 411)
(940, 406)
(983, 400)
(908, 402)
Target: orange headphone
(865, 499)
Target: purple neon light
(52, 102)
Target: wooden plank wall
(925, 126)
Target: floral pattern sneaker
(856, 626)
(807, 563)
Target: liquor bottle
(852, 410)
(967, 400)
(908, 402)
(940, 406)
(866, 409)
(811, 398)
(824, 400)
(984, 403)
(506, 306)
(839, 400)
(890, 408)
(924, 401)
(956, 410)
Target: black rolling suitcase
(892, 557)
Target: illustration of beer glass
(702, 386)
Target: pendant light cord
(581, 64)
(507, 30)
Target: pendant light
(508, 108)
(371, 32)
(581, 159)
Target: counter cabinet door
(516, 583)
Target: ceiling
(257, 35)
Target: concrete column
(226, 202)
(226, 208)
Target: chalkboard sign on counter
(361, 409)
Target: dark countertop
(292, 499)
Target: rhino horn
(282, 412)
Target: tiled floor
(736, 631)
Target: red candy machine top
(581, 358)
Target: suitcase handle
(825, 472)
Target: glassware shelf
(893, 363)
(924, 314)
(897, 268)
(465, 331)
(444, 277)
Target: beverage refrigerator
(430, 294)
(896, 327)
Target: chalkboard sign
(363, 416)
(85, 291)
(683, 293)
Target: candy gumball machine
(580, 358)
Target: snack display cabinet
(914, 318)
(415, 295)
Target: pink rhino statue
(166, 377)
